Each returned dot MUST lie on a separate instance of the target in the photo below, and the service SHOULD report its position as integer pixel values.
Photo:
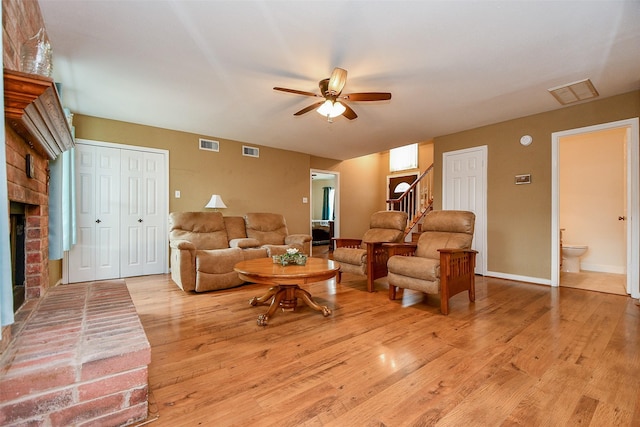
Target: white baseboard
(600, 268)
(527, 279)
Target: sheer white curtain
(62, 204)
(6, 285)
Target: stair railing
(417, 200)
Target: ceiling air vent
(250, 151)
(209, 145)
(574, 92)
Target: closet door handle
(139, 219)
(98, 221)
(622, 218)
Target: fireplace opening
(17, 238)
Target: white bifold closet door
(143, 214)
(96, 256)
(121, 215)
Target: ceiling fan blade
(298, 92)
(348, 112)
(309, 108)
(368, 96)
(337, 81)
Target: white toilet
(571, 257)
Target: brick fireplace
(27, 160)
(76, 354)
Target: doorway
(622, 223)
(325, 209)
(396, 186)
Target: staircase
(417, 201)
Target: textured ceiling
(209, 67)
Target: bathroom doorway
(594, 194)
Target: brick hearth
(80, 358)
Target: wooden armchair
(442, 262)
(366, 256)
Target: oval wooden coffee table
(286, 280)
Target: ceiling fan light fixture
(337, 81)
(331, 109)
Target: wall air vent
(574, 92)
(209, 145)
(250, 151)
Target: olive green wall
(363, 186)
(360, 191)
(519, 216)
(275, 182)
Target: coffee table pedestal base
(285, 297)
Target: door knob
(98, 221)
(622, 218)
(139, 219)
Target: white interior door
(464, 188)
(122, 204)
(95, 256)
(143, 213)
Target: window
(403, 158)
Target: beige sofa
(205, 246)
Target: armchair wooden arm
(405, 249)
(341, 242)
(377, 257)
(457, 274)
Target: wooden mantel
(32, 108)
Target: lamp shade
(216, 202)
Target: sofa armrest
(183, 264)
(182, 245)
(244, 243)
(346, 243)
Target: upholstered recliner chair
(442, 262)
(366, 256)
(201, 259)
(270, 231)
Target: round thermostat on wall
(526, 140)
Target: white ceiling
(209, 67)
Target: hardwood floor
(521, 354)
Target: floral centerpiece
(293, 256)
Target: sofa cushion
(431, 241)
(381, 235)
(206, 230)
(445, 230)
(235, 227)
(267, 228)
(412, 266)
(388, 219)
(354, 256)
(218, 261)
(254, 253)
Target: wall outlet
(177, 194)
(305, 200)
